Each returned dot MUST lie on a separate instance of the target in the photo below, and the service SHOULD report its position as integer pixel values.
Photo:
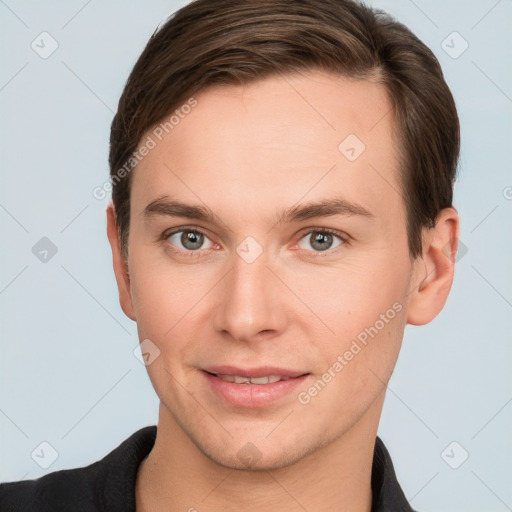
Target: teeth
(252, 380)
(262, 380)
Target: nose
(252, 301)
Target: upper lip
(260, 371)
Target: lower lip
(252, 396)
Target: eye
(190, 239)
(322, 239)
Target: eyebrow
(325, 208)
(171, 208)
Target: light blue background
(68, 372)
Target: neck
(177, 476)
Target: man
(282, 180)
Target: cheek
(364, 306)
(163, 294)
(165, 300)
(356, 368)
(355, 297)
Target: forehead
(283, 138)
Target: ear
(120, 265)
(433, 270)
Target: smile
(238, 379)
(253, 388)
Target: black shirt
(108, 485)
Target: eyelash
(344, 238)
(191, 254)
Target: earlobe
(433, 271)
(120, 265)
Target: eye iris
(319, 238)
(192, 240)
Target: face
(270, 285)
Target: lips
(252, 387)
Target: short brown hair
(240, 41)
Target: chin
(250, 458)
(260, 456)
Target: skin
(247, 153)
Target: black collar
(387, 495)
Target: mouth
(252, 388)
(240, 379)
